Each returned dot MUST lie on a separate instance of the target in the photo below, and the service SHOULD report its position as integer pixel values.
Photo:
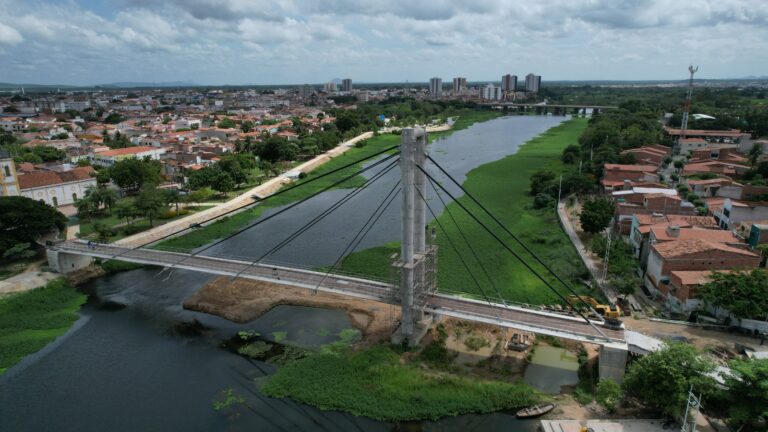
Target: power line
(515, 254)
(258, 200)
(283, 210)
(319, 217)
(372, 221)
(455, 249)
(471, 249)
(508, 231)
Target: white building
(436, 87)
(110, 157)
(532, 83)
(57, 188)
(491, 92)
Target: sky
(215, 42)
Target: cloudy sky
(313, 41)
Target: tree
(114, 118)
(571, 154)
(150, 202)
(608, 394)
(596, 214)
(747, 393)
(131, 173)
(19, 251)
(754, 153)
(222, 182)
(24, 220)
(102, 230)
(246, 126)
(541, 180)
(126, 209)
(661, 379)
(744, 294)
(200, 195)
(49, 154)
(86, 208)
(226, 123)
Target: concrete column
(420, 182)
(60, 262)
(407, 166)
(613, 361)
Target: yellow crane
(607, 311)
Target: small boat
(535, 410)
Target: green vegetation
(744, 294)
(608, 394)
(596, 214)
(475, 343)
(661, 380)
(747, 394)
(24, 221)
(117, 266)
(502, 187)
(374, 383)
(32, 319)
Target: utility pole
(686, 108)
(607, 251)
(691, 412)
(560, 189)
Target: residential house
(650, 155)
(684, 288)
(618, 176)
(715, 167)
(667, 227)
(649, 201)
(693, 254)
(733, 212)
(110, 157)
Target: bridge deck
(515, 317)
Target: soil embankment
(245, 300)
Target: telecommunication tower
(686, 107)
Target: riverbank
(31, 320)
(370, 146)
(502, 186)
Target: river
(134, 369)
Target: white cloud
(9, 35)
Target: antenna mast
(686, 107)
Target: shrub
(608, 394)
(474, 343)
(542, 200)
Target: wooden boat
(535, 410)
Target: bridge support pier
(613, 361)
(62, 262)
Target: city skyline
(217, 42)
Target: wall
(63, 192)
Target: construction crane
(686, 107)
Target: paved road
(516, 317)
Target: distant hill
(131, 84)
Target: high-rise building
(346, 85)
(330, 86)
(532, 83)
(459, 85)
(491, 92)
(436, 87)
(508, 83)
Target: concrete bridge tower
(417, 262)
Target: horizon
(234, 42)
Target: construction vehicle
(605, 311)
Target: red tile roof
(48, 178)
(126, 151)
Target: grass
(502, 186)
(227, 225)
(32, 319)
(374, 383)
(137, 226)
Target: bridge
(564, 107)
(416, 293)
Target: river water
(134, 369)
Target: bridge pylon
(417, 263)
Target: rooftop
(127, 151)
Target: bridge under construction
(414, 284)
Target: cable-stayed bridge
(414, 287)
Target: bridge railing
(502, 302)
